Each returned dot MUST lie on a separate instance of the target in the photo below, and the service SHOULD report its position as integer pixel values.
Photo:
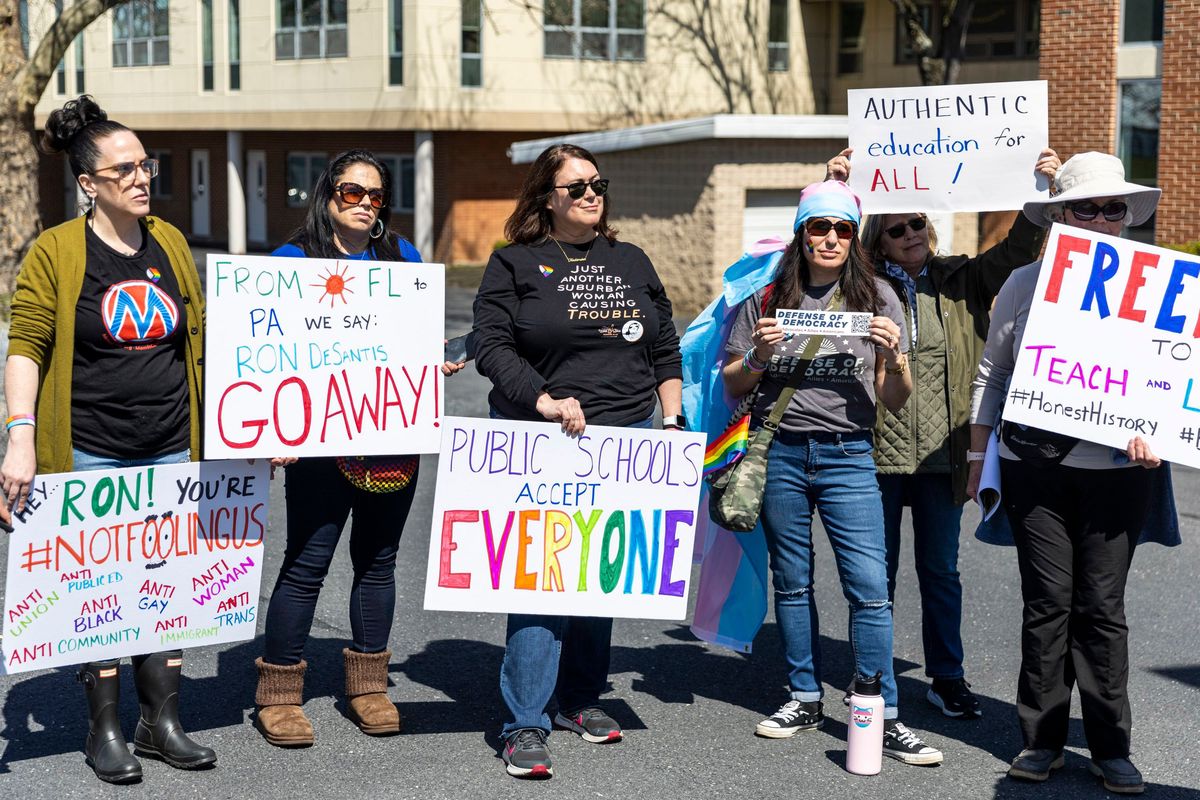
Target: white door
(256, 196)
(768, 213)
(201, 189)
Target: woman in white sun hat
(1076, 516)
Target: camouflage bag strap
(806, 357)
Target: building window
(235, 45)
(850, 38)
(472, 42)
(777, 36)
(79, 82)
(160, 186)
(206, 44)
(23, 23)
(396, 45)
(404, 182)
(141, 34)
(303, 169)
(60, 72)
(604, 30)
(1142, 21)
(310, 29)
(998, 29)
(1141, 103)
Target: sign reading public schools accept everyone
(309, 356)
(970, 147)
(111, 563)
(529, 520)
(1112, 345)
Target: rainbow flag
(728, 448)
(545, 270)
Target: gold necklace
(575, 260)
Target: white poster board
(969, 147)
(309, 356)
(1110, 349)
(529, 520)
(111, 563)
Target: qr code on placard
(860, 325)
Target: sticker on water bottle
(861, 716)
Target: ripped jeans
(833, 474)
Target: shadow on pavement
(1189, 675)
(1074, 780)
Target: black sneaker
(592, 724)
(1035, 765)
(903, 745)
(954, 697)
(791, 718)
(1119, 775)
(526, 754)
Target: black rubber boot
(159, 732)
(105, 749)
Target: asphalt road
(688, 709)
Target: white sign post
(1111, 348)
(309, 356)
(112, 563)
(968, 147)
(529, 520)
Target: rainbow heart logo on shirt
(546, 271)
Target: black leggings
(319, 499)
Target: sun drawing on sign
(334, 284)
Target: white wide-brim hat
(1090, 175)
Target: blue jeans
(936, 523)
(548, 656)
(84, 461)
(833, 474)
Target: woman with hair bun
(85, 390)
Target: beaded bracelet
(753, 365)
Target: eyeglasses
(127, 168)
(353, 194)
(1086, 210)
(819, 228)
(897, 230)
(577, 189)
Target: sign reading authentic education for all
(309, 356)
(529, 520)
(1112, 345)
(969, 147)
(111, 563)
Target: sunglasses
(353, 194)
(819, 228)
(897, 230)
(127, 168)
(1086, 210)
(577, 189)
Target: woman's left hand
(886, 336)
(1048, 164)
(1139, 452)
(451, 367)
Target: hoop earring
(382, 229)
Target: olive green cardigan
(43, 329)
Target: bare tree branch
(53, 46)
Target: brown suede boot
(279, 696)
(366, 689)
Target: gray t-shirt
(838, 391)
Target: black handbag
(1038, 447)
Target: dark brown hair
(77, 129)
(793, 278)
(531, 221)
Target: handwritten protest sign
(309, 356)
(1112, 345)
(527, 519)
(947, 148)
(109, 563)
(827, 323)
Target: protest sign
(311, 356)
(529, 520)
(824, 323)
(948, 148)
(110, 563)
(1110, 347)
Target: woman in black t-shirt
(571, 326)
(107, 324)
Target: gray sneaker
(590, 723)
(1035, 765)
(1119, 774)
(526, 754)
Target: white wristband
(976, 455)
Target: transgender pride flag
(731, 600)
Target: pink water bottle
(864, 734)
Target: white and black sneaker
(903, 745)
(955, 698)
(791, 718)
